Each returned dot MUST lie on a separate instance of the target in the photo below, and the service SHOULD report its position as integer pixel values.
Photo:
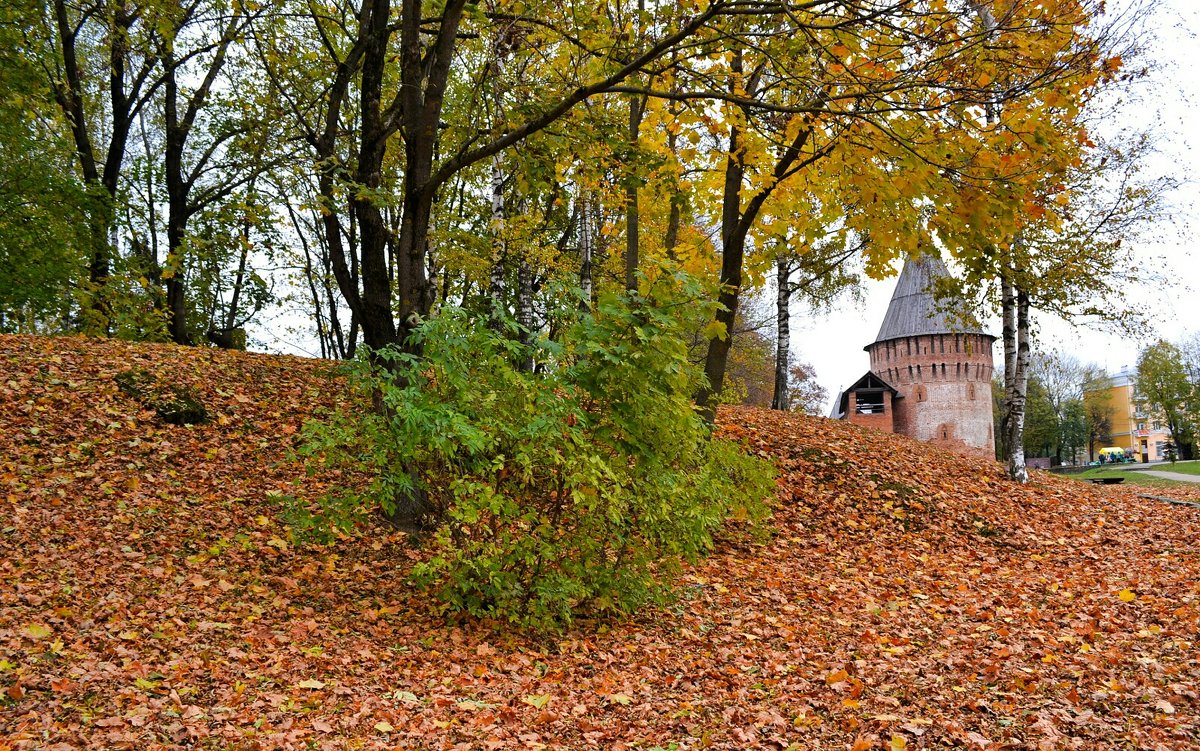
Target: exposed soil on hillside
(150, 596)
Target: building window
(868, 402)
(920, 392)
(971, 391)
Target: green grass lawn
(1133, 477)
(1186, 468)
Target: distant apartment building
(1134, 427)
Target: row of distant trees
(1070, 410)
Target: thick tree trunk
(101, 176)
(379, 328)
(177, 210)
(177, 213)
(424, 73)
(780, 399)
(733, 243)
(179, 118)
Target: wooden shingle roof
(915, 311)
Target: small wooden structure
(870, 401)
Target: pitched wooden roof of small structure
(915, 311)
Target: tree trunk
(780, 399)
(177, 216)
(736, 221)
(1015, 305)
(100, 178)
(585, 250)
(178, 128)
(733, 242)
(525, 313)
(496, 307)
(674, 219)
(496, 304)
(379, 328)
(328, 331)
(675, 215)
(424, 73)
(227, 337)
(632, 209)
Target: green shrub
(577, 488)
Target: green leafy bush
(577, 488)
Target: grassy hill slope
(151, 597)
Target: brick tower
(930, 376)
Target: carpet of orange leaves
(151, 597)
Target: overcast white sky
(833, 343)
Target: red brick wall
(882, 420)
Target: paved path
(1177, 476)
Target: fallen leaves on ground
(907, 599)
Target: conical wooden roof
(914, 311)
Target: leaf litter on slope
(907, 598)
